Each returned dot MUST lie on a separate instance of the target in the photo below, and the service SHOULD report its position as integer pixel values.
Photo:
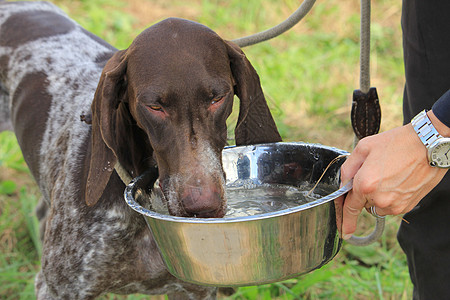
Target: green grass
(19, 241)
(308, 75)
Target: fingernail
(346, 236)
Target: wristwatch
(438, 147)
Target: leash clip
(366, 113)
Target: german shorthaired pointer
(161, 104)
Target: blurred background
(308, 75)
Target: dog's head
(165, 101)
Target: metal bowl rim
(129, 190)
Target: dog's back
(49, 68)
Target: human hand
(390, 171)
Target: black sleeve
(441, 109)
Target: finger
(353, 163)
(353, 206)
(377, 212)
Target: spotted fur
(51, 72)
(77, 260)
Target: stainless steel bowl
(255, 249)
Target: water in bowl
(253, 199)
(244, 198)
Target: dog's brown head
(165, 101)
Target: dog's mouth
(188, 201)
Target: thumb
(353, 206)
(353, 203)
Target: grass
(308, 75)
(19, 241)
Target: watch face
(440, 153)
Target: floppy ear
(255, 123)
(106, 100)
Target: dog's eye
(156, 110)
(155, 107)
(216, 99)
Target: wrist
(434, 136)
(440, 127)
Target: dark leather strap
(366, 113)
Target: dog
(159, 105)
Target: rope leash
(366, 111)
(279, 29)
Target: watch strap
(425, 129)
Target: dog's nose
(202, 202)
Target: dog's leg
(5, 119)
(193, 292)
(41, 289)
(41, 214)
(189, 296)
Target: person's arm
(441, 110)
(390, 170)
